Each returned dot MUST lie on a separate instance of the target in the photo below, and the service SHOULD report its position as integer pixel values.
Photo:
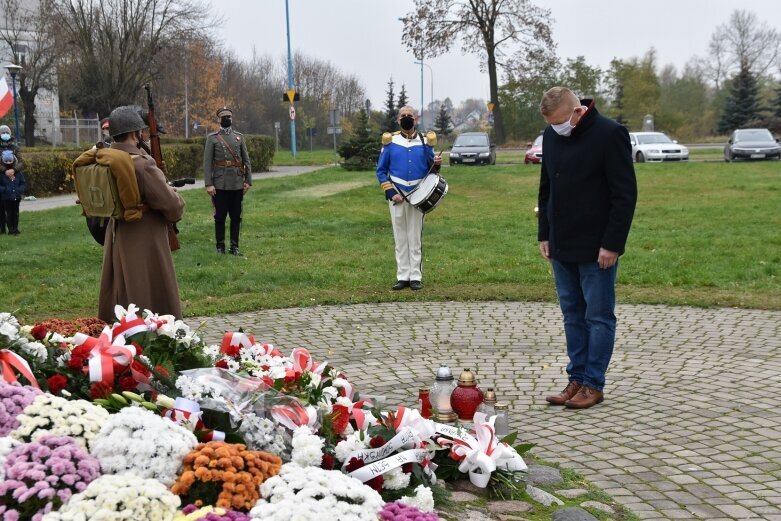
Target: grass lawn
(705, 234)
(306, 158)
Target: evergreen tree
(391, 111)
(362, 150)
(443, 124)
(403, 100)
(742, 103)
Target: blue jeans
(587, 296)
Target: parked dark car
(473, 148)
(751, 144)
(534, 152)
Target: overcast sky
(363, 37)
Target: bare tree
(114, 44)
(743, 42)
(485, 27)
(31, 34)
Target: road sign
(292, 113)
(490, 118)
(334, 130)
(277, 125)
(195, 125)
(291, 96)
(490, 107)
(333, 114)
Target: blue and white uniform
(403, 164)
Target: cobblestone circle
(689, 427)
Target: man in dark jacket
(586, 201)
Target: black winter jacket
(588, 189)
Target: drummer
(407, 156)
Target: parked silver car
(473, 148)
(656, 146)
(752, 143)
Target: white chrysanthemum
(395, 479)
(49, 414)
(123, 497)
(190, 389)
(35, 350)
(307, 447)
(350, 444)
(7, 444)
(423, 499)
(142, 443)
(212, 351)
(314, 494)
(264, 435)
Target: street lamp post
(431, 72)
(14, 69)
(290, 82)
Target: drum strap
(430, 168)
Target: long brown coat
(137, 264)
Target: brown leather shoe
(585, 398)
(568, 392)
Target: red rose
(376, 442)
(39, 332)
(127, 383)
(327, 462)
(406, 468)
(99, 390)
(81, 351)
(354, 464)
(57, 383)
(221, 363)
(76, 363)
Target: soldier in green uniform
(226, 174)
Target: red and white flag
(6, 97)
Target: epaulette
(431, 138)
(387, 137)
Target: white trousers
(408, 236)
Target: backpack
(97, 191)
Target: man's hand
(437, 160)
(544, 245)
(397, 199)
(607, 258)
(211, 190)
(246, 187)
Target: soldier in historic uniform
(226, 174)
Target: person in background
(12, 187)
(587, 198)
(406, 157)
(105, 136)
(7, 142)
(226, 174)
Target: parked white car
(656, 146)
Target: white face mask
(565, 129)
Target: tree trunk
(499, 137)
(28, 99)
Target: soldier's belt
(237, 164)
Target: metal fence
(76, 131)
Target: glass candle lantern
(467, 396)
(502, 422)
(440, 395)
(489, 401)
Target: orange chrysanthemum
(228, 471)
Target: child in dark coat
(12, 186)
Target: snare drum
(429, 193)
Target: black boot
(219, 234)
(235, 227)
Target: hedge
(47, 172)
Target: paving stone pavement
(689, 428)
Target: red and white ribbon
(302, 361)
(187, 413)
(10, 361)
(236, 339)
(129, 322)
(104, 352)
(294, 415)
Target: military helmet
(123, 120)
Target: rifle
(157, 154)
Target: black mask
(225, 122)
(407, 123)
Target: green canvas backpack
(97, 191)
